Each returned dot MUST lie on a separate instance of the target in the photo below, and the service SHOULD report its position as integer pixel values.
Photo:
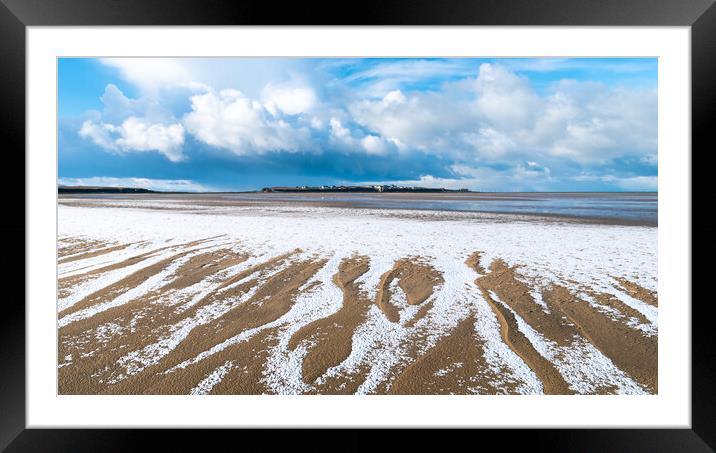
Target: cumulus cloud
(346, 140)
(487, 125)
(373, 144)
(288, 98)
(338, 131)
(528, 175)
(117, 106)
(134, 125)
(230, 120)
(480, 181)
(593, 124)
(151, 74)
(102, 134)
(394, 97)
(519, 177)
(493, 115)
(489, 142)
(135, 134)
(499, 115)
(504, 99)
(423, 122)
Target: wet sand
(638, 209)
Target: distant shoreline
(378, 188)
(140, 190)
(276, 189)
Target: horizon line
(259, 190)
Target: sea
(639, 208)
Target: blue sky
(540, 124)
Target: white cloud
(341, 137)
(394, 97)
(639, 183)
(498, 116)
(566, 64)
(231, 121)
(135, 134)
(593, 124)
(316, 123)
(503, 98)
(130, 125)
(489, 142)
(412, 69)
(472, 182)
(138, 135)
(532, 170)
(373, 144)
(288, 98)
(634, 183)
(489, 118)
(151, 74)
(338, 131)
(345, 140)
(384, 77)
(168, 185)
(420, 122)
(117, 106)
(102, 134)
(518, 178)
(432, 181)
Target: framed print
(411, 217)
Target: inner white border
(670, 408)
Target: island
(390, 188)
(374, 188)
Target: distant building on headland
(95, 189)
(375, 188)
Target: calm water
(638, 208)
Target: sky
(223, 124)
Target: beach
(274, 294)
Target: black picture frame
(700, 15)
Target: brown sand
(148, 322)
(72, 246)
(346, 383)
(422, 312)
(552, 381)
(333, 335)
(65, 284)
(270, 301)
(456, 365)
(202, 265)
(92, 253)
(112, 291)
(625, 312)
(473, 262)
(633, 352)
(416, 278)
(502, 281)
(638, 292)
(571, 318)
